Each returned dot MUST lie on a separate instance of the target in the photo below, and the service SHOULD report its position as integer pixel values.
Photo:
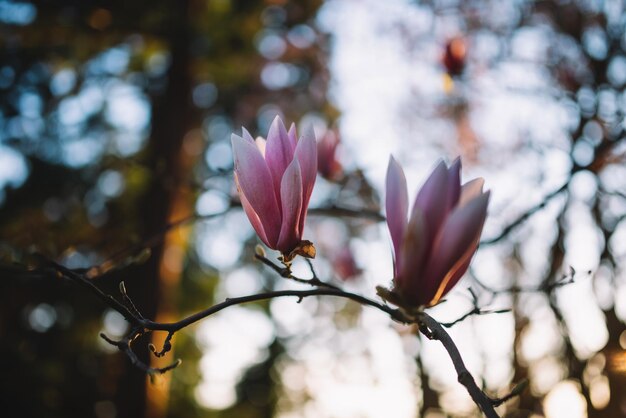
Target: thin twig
(476, 310)
(128, 302)
(428, 326)
(523, 217)
(107, 299)
(138, 250)
(125, 346)
(336, 210)
(517, 390)
(286, 273)
(395, 314)
(167, 346)
(546, 286)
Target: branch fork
(428, 326)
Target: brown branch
(433, 330)
(395, 314)
(125, 346)
(286, 273)
(476, 310)
(547, 286)
(109, 300)
(428, 326)
(336, 210)
(600, 152)
(523, 217)
(137, 251)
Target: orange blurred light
(100, 19)
(454, 56)
(617, 362)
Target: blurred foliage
(93, 136)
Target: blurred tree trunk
(170, 122)
(430, 397)
(575, 366)
(614, 370)
(525, 403)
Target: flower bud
(275, 179)
(434, 247)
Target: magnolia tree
(529, 94)
(432, 245)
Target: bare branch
(336, 210)
(523, 217)
(476, 310)
(140, 250)
(128, 302)
(517, 391)
(85, 282)
(167, 346)
(428, 326)
(286, 273)
(125, 346)
(434, 331)
(547, 286)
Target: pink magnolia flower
(275, 179)
(327, 163)
(433, 249)
(345, 265)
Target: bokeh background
(115, 160)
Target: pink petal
(432, 200)
(291, 199)
(306, 154)
(396, 207)
(293, 136)
(252, 215)
(413, 252)
(278, 152)
(470, 190)
(327, 163)
(246, 135)
(459, 233)
(454, 184)
(453, 276)
(261, 144)
(255, 182)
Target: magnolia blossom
(434, 246)
(344, 264)
(455, 56)
(275, 179)
(327, 163)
